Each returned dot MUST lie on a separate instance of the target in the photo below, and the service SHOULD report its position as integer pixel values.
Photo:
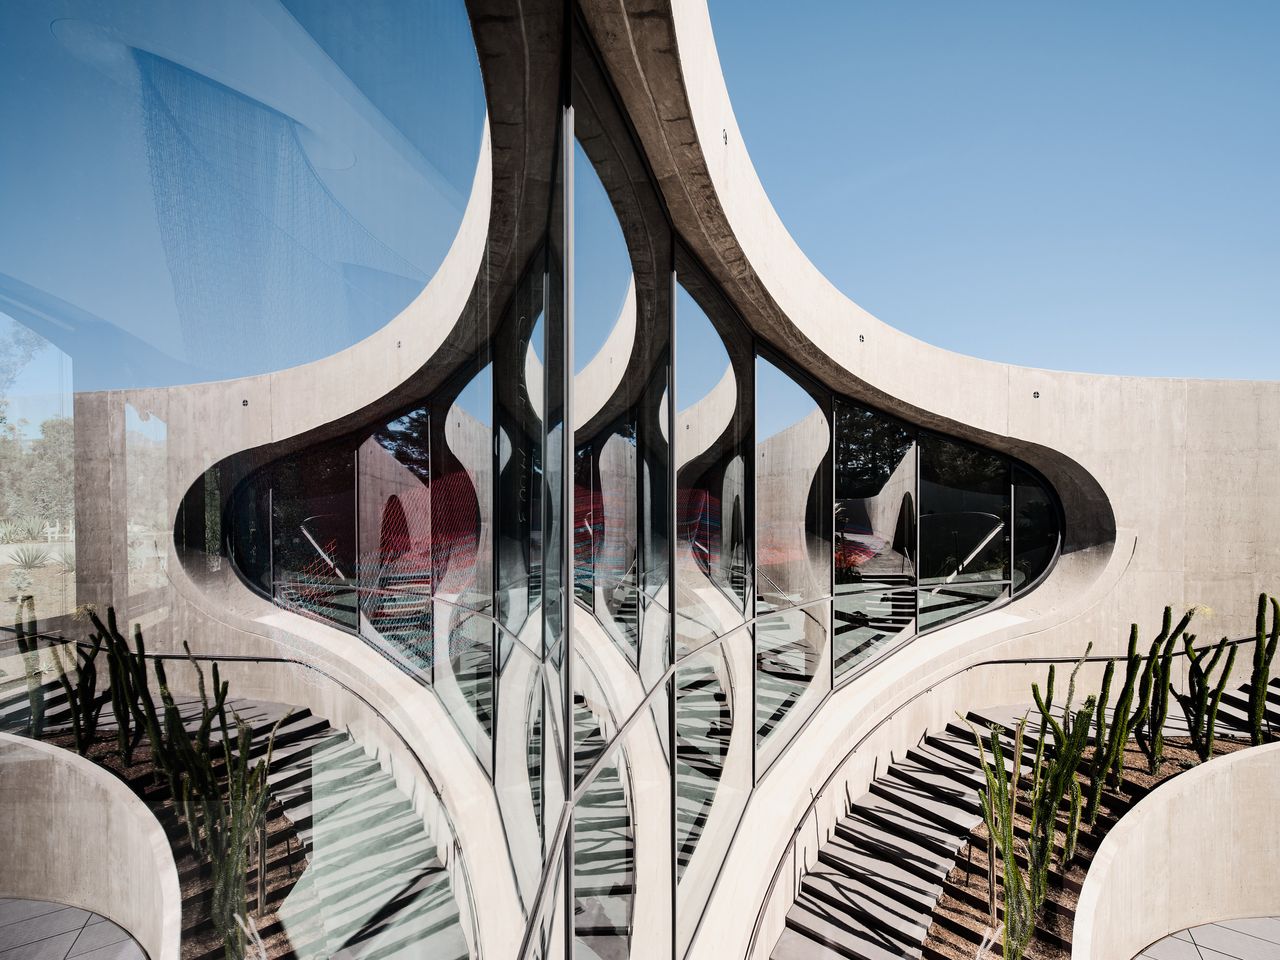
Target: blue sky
(1089, 186)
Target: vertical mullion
(672, 593)
(566, 484)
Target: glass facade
(598, 536)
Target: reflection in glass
(1036, 529)
(623, 900)
(37, 464)
(793, 493)
(314, 534)
(712, 450)
(875, 533)
(793, 674)
(208, 191)
(964, 529)
(714, 752)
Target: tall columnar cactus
(135, 691)
(1055, 779)
(1153, 708)
(1264, 649)
(82, 695)
(28, 638)
(119, 676)
(999, 799)
(1200, 702)
(1108, 760)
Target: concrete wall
(75, 834)
(1200, 848)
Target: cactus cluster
(999, 811)
(28, 639)
(1200, 702)
(221, 796)
(1153, 694)
(1264, 649)
(83, 698)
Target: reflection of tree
(409, 441)
(18, 345)
(868, 448)
(37, 477)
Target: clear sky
(1088, 185)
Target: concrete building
(445, 374)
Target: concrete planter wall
(75, 834)
(1200, 848)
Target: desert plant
(999, 799)
(20, 580)
(28, 640)
(32, 528)
(1200, 702)
(67, 561)
(135, 693)
(8, 531)
(82, 695)
(1264, 650)
(1110, 742)
(30, 558)
(1054, 780)
(120, 677)
(1153, 697)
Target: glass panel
(941, 604)
(623, 900)
(793, 674)
(713, 454)
(1036, 529)
(964, 528)
(37, 463)
(793, 498)
(714, 745)
(464, 675)
(248, 525)
(314, 536)
(268, 184)
(146, 473)
(875, 533)
(395, 542)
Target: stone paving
(1257, 938)
(41, 930)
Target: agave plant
(32, 528)
(30, 558)
(8, 531)
(67, 561)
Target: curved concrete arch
(108, 854)
(1144, 884)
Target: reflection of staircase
(704, 724)
(625, 613)
(400, 612)
(880, 610)
(318, 595)
(784, 669)
(603, 850)
(473, 672)
(373, 886)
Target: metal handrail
(789, 849)
(254, 658)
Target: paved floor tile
(1234, 943)
(1265, 928)
(42, 926)
(126, 950)
(1171, 948)
(50, 948)
(14, 910)
(97, 935)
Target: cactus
(1200, 702)
(1101, 761)
(82, 695)
(1153, 705)
(1055, 780)
(135, 694)
(1264, 649)
(999, 801)
(29, 646)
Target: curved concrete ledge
(1200, 848)
(75, 834)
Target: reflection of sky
(601, 266)
(41, 389)
(780, 401)
(201, 191)
(150, 426)
(701, 358)
(477, 396)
